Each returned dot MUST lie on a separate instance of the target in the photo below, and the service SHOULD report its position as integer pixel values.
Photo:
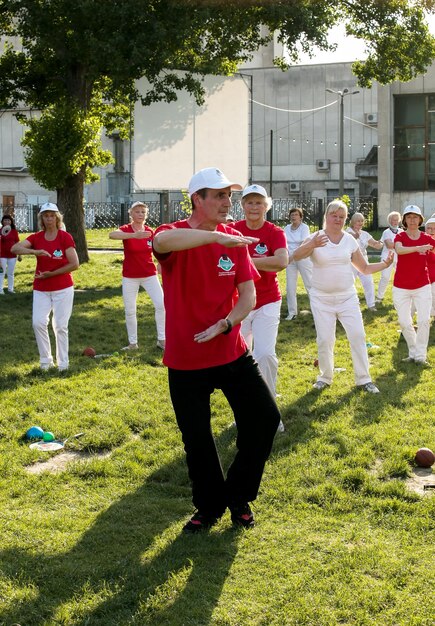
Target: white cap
(138, 203)
(431, 220)
(210, 178)
(254, 189)
(412, 208)
(48, 206)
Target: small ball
(34, 432)
(115, 354)
(424, 457)
(47, 436)
(89, 352)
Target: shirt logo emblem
(261, 248)
(225, 263)
(58, 254)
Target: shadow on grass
(128, 568)
(298, 416)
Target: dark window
(414, 142)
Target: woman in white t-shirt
(296, 232)
(364, 240)
(333, 295)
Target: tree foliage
(78, 63)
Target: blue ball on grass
(35, 432)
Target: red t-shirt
(431, 265)
(7, 241)
(57, 249)
(200, 288)
(411, 270)
(138, 259)
(271, 239)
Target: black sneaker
(242, 516)
(199, 522)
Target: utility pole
(341, 95)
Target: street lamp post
(341, 94)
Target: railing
(114, 214)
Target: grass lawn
(340, 537)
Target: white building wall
(174, 140)
(389, 200)
(301, 134)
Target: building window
(414, 142)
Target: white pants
(304, 267)
(130, 289)
(326, 311)
(8, 266)
(421, 299)
(260, 328)
(368, 286)
(384, 280)
(432, 312)
(60, 303)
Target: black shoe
(242, 516)
(199, 522)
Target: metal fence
(114, 214)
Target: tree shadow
(131, 564)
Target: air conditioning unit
(371, 118)
(323, 165)
(295, 186)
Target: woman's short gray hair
(355, 217)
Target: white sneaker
(320, 384)
(161, 344)
(281, 427)
(289, 318)
(369, 387)
(131, 346)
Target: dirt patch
(420, 479)
(59, 462)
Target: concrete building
(406, 169)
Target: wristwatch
(229, 327)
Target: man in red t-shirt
(208, 283)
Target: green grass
(339, 539)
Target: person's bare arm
(401, 249)
(177, 239)
(370, 268)
(73, 264)
(308, 246)
(25, 247)
(243, 306)
(275, 263)
(121, 235)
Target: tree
(77, 64)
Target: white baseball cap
(210, 178)
(431, 220)
(138, 203)
(48, 206)
(254, 189)
(412, 208)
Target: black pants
(256, 416)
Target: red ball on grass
(89, 352)
(424, 457)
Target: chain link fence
(114, 214)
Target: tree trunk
(70, 202)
